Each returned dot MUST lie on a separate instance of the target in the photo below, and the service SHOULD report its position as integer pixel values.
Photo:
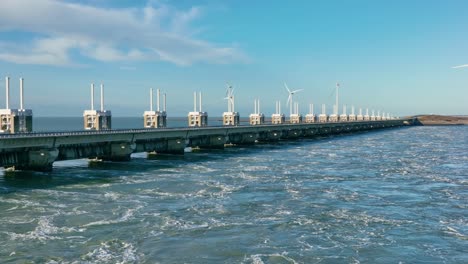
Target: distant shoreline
(441, 120)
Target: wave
(45, 230)
(113, 251)
(129, 214)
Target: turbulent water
(392, 196)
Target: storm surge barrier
(38, 151)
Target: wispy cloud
(156, 32)
(460, 66)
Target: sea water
(389, 196)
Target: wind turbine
(230, 97)
(290, 97)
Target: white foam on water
(74, 211)
(325, 242)
(304, 221)
(245, 176)
(202, 169)
(11, 209)
(170, 223)
(139, 180)
(269, 258)
(24, 203)
(23, 219)
(45, 230)
(153, 192)
(284, 212)
(216, 189)
(85, 186)
(295, 194)
(256, 168)
(113, 251)
(363, 219)
(139, 155)
(129, 214)
(113, 196)
(154, 233)
(453, 231)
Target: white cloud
(460, 66)
(130, 34)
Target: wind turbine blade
(227, 89)
(297, 91)
(287, 88)
(289, 99)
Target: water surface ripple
(393, 196)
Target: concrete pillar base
(119, 152)
(270, 136)
(243, 139)
(174, 146)
(292, 134)
(310, 132)
(208, 142)
(39, 160)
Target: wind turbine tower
(294, 116)
(335, 115)
(231, 117)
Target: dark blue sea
(390, 196)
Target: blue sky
(396, 56)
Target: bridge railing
(145, 130)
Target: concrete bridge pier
(156, 145)
(208, 142)
(119, 151)
(324, 130)
(336, 130)
(174, 146)
(270, 136)
(242, 138)
(38, 160)
(347, 129)
(356, 128)
(310, 132)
